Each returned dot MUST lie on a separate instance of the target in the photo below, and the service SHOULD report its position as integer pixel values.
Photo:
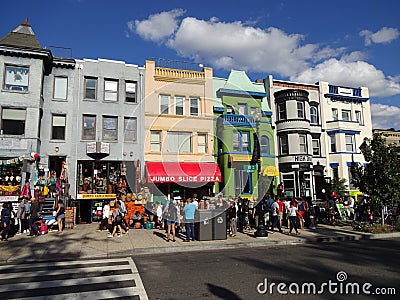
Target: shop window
(316, 148)
(282, 111)
(349, 142)
(130, 91)
(288, 183)
(283, 145)
(202, 143)
(60, 87)
(110, 90)
(110, 128)
(265, 145)
(313, 115)
(243, 182)
(241, 141)
(300, 109)
(16, 78)
(90, 88)
(58, 127)
(179, 106)
(164, 104)
(333, 143)
(89, 127)
(303, 143)
(179, 142)
(130, 129)
(13, 121)
(155, 141)
(334, 114)
(194, 106)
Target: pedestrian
(5, 221)
(52, 184)
(172, 214)
(292, 212)
(232, 218)
(124, 212)
(33, 216)
(275, 215)
(189, 210)
(105, 217)
(60, 215)
(116, 218)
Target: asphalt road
(336, 270)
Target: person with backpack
(172, 218)
(116, 220)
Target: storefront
(91, 206)
(10, 176)
(181, 179)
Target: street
(343, 270)
(235, 274)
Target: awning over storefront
(160, 172)
(270, 171)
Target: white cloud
(385, 116)
(382, 36)
(351, 73)
(157, 27)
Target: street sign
(250, 168)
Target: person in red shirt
(281, 208)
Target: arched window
(265, 145)
(313, 115)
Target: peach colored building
(179, 132)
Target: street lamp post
(261, 230)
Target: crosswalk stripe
(83, 279)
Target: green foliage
(380, 178)
(339, 186)
(397, 225)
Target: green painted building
(236, 104)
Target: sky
(350, 43)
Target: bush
(376, 228)
(397, 224)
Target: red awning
(183, 172)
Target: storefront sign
(8, 198)
(184, 179)
(250, 168)
(302, 158)
(96, 196)
(105, 148)
(91, 147)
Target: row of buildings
(170, 127)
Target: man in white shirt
(106, 215)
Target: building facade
(178, 146)
(239, 134)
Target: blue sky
(352, 43)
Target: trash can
(203, 225)
(219, 225)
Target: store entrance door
(55, 164)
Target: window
(300, 109)
(202, 143)
(130, 91)
(58, 127)
(90, 88)
(333, 143)
(243, 184)
(315, 147)
(110, 128)
(289, 184)
(351, 184)
(180, 106)
(303, 143)
(230, 109)
(282, 111)
(16, 78)
(283, 145)
(349, 142)
(89, 127)
(13, 121)
(346, 115)
(164, 104)
(335, 172)
(130, 129)
(252, 111)
(241, 141)
(60, 87)
(334, 114)
(313, 115)
(358, 116)
(242, 109)
(179, 142)
(155, 141)
(194, 106)
(110, 90)
(265, 145)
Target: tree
(380, 177)
(339, 186)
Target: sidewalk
(83, 241)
